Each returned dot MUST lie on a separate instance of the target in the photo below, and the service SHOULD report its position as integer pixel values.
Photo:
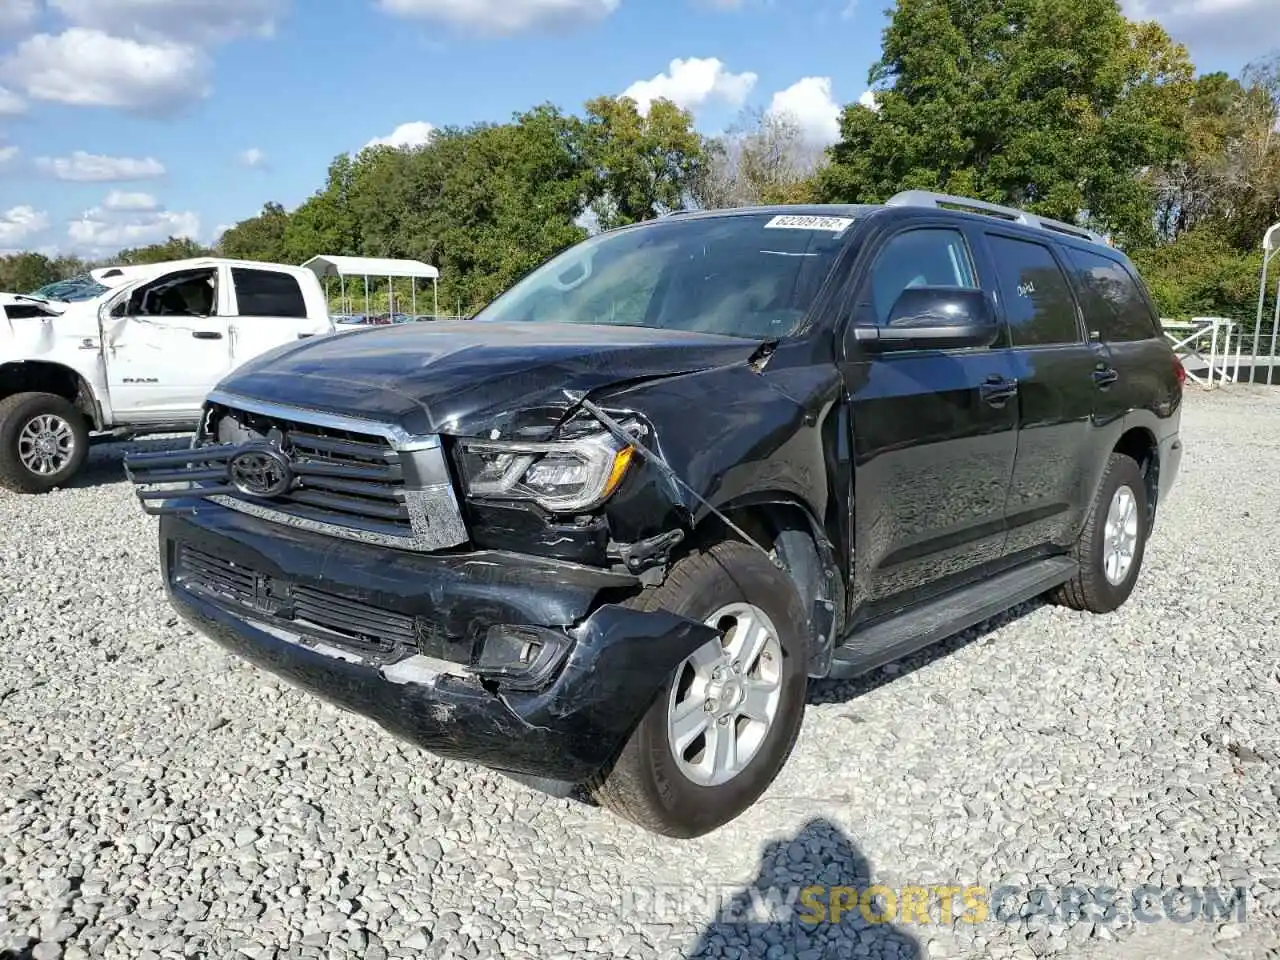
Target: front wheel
(727, 718)
(44, 440)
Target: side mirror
(933, 318)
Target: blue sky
(124, 121)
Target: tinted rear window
(266, 293)
(1037, 298)
(1113, 304)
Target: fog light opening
(521, 657)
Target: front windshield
(70, 291)
(749, 275)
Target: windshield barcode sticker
(794, 222)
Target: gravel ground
(161, 799)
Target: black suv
(606, 532)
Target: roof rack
(926, 198)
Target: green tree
(258, 238)
(1201, 274)
(1052, 105)
(493, 201)
(25, 272)
(175, 248)
(1229, 178)
(643, 165)
(324, 223)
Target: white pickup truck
(134, 350)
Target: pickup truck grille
(363, 629)
(337, 475)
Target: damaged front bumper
(419, 643)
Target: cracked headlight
(565, 476)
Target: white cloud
(413, 134)
(691, 83)
(89, 68)
(19, 224)
(219, 230)
(99, 229)
(11, 105)
(809, 104)
(1242, 28)
(8, 155)
(203, 20)
(16, 14)
(503, 16)
(253, 157)
(85, 167)
(868, 100)
(120, 200)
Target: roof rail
(926, 198)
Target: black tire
(1091, 590)
(15, 413)
(644, 784)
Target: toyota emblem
(261, 472)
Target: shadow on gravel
(806, 903)
(106, 459)
(842, 691)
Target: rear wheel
(727, 718)
(1113, 542)
(43, 442)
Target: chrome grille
(351, 478)
(343, 477)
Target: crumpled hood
(52, 308)
(467, 377)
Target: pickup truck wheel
(43, 442)
(726, 720)
(1111, 546)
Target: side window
(267, 293)
(920, 258)
(1037, 299)
(190, 293)
(1113, 304)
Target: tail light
(1179, 371)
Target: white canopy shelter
(366, 267)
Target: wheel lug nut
(724, 721)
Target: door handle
(998, 390)
(1105, 376)
(206, 335)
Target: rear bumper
(617, 658)
(1170, 460)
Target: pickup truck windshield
(70, 291)
(750, 275)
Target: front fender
(733, 435)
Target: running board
(905, 633)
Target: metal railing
(1204, 344)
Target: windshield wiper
(760, 358)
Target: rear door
(934, 434)
(269, 309)
(1053, 476)
(1119, 316)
